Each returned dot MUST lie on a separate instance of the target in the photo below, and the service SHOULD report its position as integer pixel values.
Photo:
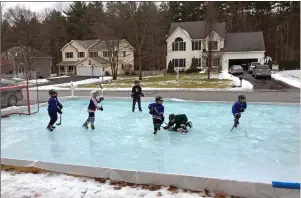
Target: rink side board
(230, 187)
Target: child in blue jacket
(54, 107)
(239, 107)
(157, 111)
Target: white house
(187, 40)
(91, 57)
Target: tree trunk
(139, 62)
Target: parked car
(236, 69)
(252, 65)
(11, 96)
(262, 71)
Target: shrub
(270, 64)
(170, 68)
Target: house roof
(33, 52)
(66, 63)
(86, 43)
(244, 41)
(102, 44)
(99, 60)
(196, 29)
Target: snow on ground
(291, 77)
(246, 85)
(21, 81)
(47, 185)
(54, 77)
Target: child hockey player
(157, 111)
(136, 95)
(54, 107)
(180, 121)
(92, 108)
(239, 107)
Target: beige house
(91, 58)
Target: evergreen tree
(170, 68)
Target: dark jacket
(238, 107)
(136, 91)
(179, 119)
(53, 105)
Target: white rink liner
(230, 187)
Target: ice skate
(49, 128)
(92, 126)
(85, 126)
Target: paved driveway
(268, 85)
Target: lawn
(194, 80)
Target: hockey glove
(237, 115)
(59, 111)
(142, 94)
(243, 110)
(132, 95)
(151, 111)
(101, 98)
(100, 108)
(60, 106)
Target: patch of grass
(194, 80)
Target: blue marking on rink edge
(289, 185)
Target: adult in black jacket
(136, 95)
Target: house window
(70, 68)
(105, 54)
(179, 62)
(93, 54)
(62, 68)
(198, 62)
(124, 54)
(69, 54)
(90, 62)
(214, 44)
(196, 45)
(81, 55)
(179, 45)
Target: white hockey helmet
(94, 93)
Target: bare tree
(25, 30)
(108, 29)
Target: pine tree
(170, 68)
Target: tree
(193, 67)
(25, 32)
(170, 68)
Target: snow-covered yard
(20, 81)
(47, 185)
(196, 82)
(291, 77)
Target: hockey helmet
(171, 116)
(52, 91)
(136, 82)
(158, 98)
(241, 97)
(94, 93)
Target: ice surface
(265, 146)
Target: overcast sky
(37, 6)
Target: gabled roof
(196, 29)
(32, 52)
(97, 59)
(244, 41)
(86, 43)
(102, 44)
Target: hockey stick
(235, 123)
(60, 120)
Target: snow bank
(46, 185)
(54, 77)
(87, 81)
(39, 81)
(21, 81)
(291, 77)
(246, 85)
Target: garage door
(87, 71)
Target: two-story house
(91, 57)
(187, 40)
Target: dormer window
(213, 44)
(179, 45)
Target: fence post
(72, 89)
